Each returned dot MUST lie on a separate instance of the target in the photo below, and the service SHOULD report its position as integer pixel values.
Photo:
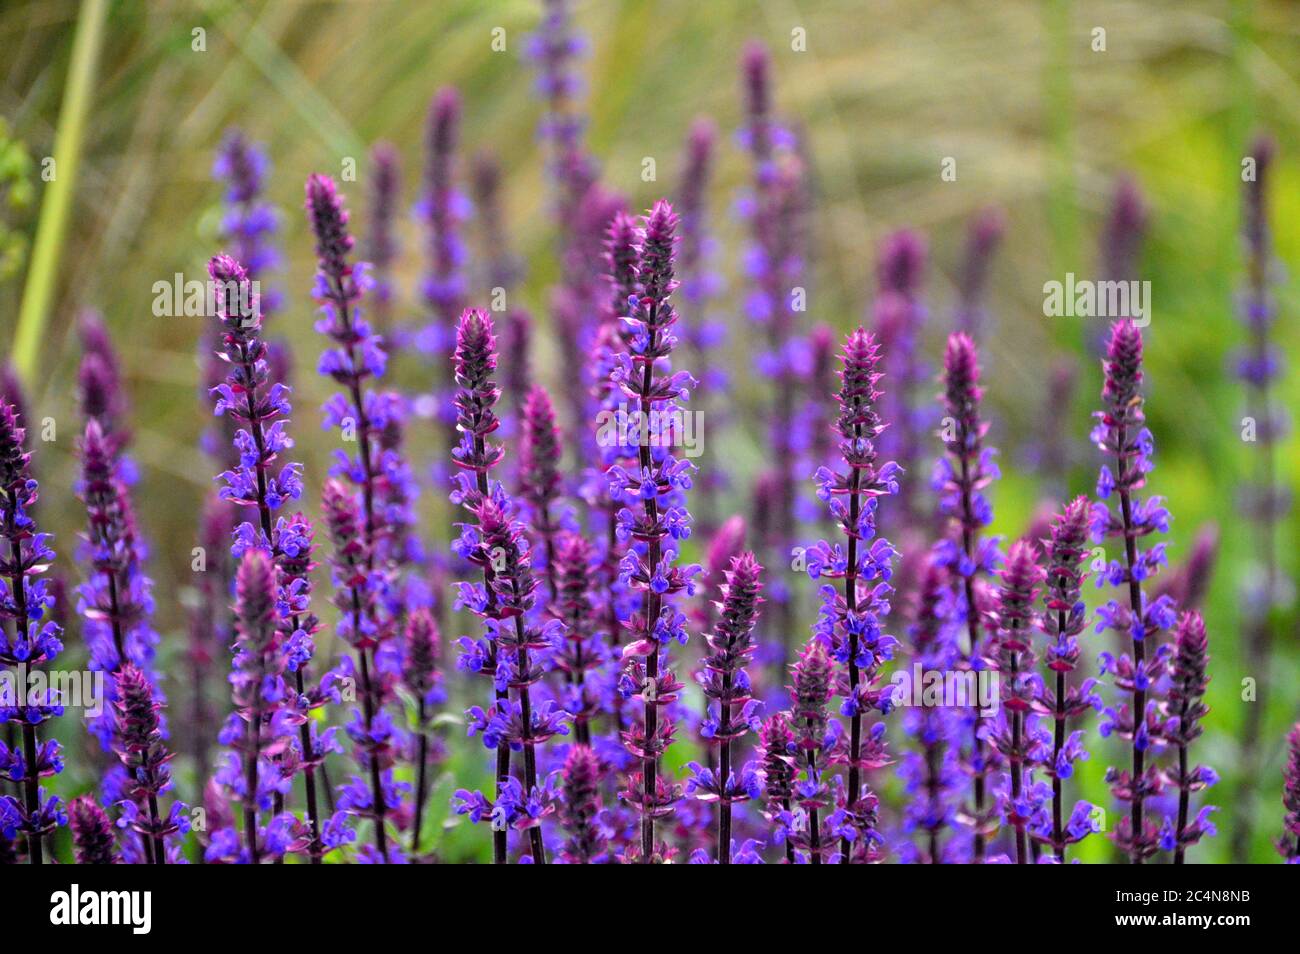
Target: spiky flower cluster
(382, 248)
(1184, 710)
(1015, 735)
(1062, 699)
(1289, 844)
(443, 208)
(365, 506)
(248, 222)
(960, 478)
(92, 832)
(32, 642)
(855, 596)
(814, 736)
(733, 711)
(554, 48)
(116, 599)
(655, 519)
(584, 656)
(1125, 442)
(775, 207)
(138, 742)
(580, 807)
(899, 321)
(512, 650)
(539, 475)
(932, 772)
(258, 404)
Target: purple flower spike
(812, 686)
(1125, 228)
(1188, 583)
(1015, 737)
(139, 744)
(381, 246)
(99, 380)
(982, 240)
(701, 285)
(777, 755)
(655, 518)
(421, 648)
(580, 806)
(1265, 499)
(1186, 708)
(372, 532)
(257, 681)
(512, 654)
(1289, 844)
(92, 832)
(555, 48)
(116, 603)
(249, 223)
(899, 317)
(725, 680)
(960, 478)
(539, 475)
(1064, 700)
(583, 651)
(210, 627)
(851, 618)
(329, 225)
(259, 403)
(775, 205)
(933, 775)
(1123, 439)
(443, 209)
(32, 643)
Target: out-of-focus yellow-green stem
(53, 224)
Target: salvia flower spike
(260, 405)
(851, 618)
(475, 361)
(1127, 445)
(654, 518)
(1185, 707)
(899, 316)
(92, 832)
(584, 651)
(364, 416)
(443, 208)
(381, 240)
(138, 741)
(249, 222)
(34, 642)
(580, 807)
(257, 683)
(777, 754)
(932, 773)
(539, 475)
(812, 686)
(116, 599)
(1289, 844)
(1014, 736)
(421, 650)
(514, 652)
(555, 48)
(725, 680)
(961, 477)
(1260, 366)
(1061, 699)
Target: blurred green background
(1038, 122)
